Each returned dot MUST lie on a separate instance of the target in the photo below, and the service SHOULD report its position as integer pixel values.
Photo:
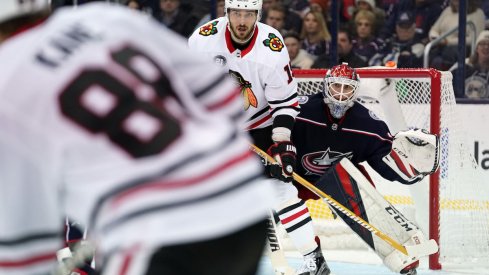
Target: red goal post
(424, 98)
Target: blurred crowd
(370, 32)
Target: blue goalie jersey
(322, 140)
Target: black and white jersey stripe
(29, 254)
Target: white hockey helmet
(340, 89)
(13, 8)
(244, 5)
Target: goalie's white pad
(415, 153)
(385, 217)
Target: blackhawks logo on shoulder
(209, 29)
(273, 42)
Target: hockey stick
(419, 250)
(277, 256)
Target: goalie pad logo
(399, 218)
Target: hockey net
(453, 204)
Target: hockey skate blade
(423, 249)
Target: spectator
(319, 5)
(365, 44)
(445, 54)
(345, 53)
(322, 6)
(175, 18)
(300, 7)
(369, 5)
(134, 4)
(299, 58)
(219, 13)
(388, 6)
(266, 5)
(316, 39)
(476, 71)
(347, 7)
(150, 7)
(276, 17)
(405, 48)
(292, 22)
(425, 11)
(197, 8)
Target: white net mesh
(405, 102)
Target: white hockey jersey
(262, 69)
(105, 116)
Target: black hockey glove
(285, 154)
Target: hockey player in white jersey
(107, 118)
(257, 59)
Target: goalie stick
(419, 250)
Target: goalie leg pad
(337, 183)
(343, 180)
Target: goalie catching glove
(285, 154)
(415, 153)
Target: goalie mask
(340, 89)
(234, 9)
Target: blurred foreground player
(108, 119)
(333, 126)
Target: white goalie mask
(340, 89)
(10, 9)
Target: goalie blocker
(346, 184)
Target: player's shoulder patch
(373, 115)
(302, 99)
(273, 42)
(209, 29)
